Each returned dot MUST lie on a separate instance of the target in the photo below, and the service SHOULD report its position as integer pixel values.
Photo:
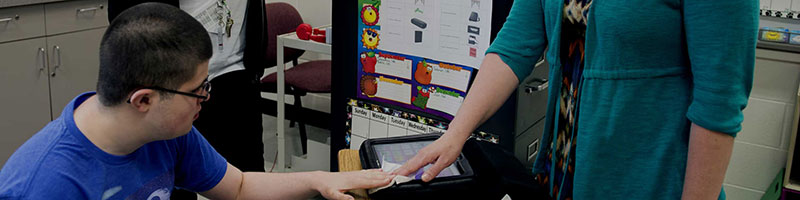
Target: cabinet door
(69, 16)
(74, 65)
(532, 98)
(22, 22)
(526, 145)
(25, 100)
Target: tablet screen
(393, 155)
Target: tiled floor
(318, 144)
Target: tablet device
(391, 153)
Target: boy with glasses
(134, 139)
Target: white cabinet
(25, 98)
(48, 55)
(74, 31)
(74, 65)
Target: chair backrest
(282, 18)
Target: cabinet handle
(89, 9)
(533, 150)
(43, 59)
(9, 19)
(57, 51)
(543, 86)
(544, 83)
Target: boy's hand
(333, 185)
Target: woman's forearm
(708, 157)
(494, 83)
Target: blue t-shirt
(59, 162)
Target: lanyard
(225, 22)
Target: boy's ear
(143, 99)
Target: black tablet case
(492, 173)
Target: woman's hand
(442, 152)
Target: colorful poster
(420, 54)
(453, 31)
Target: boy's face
(178, 113)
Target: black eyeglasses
(206, 87)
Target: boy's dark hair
(151, 44)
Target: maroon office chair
(303, 78)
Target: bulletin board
(420, 54)
(405, 66)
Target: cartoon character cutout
(369, 85)
(441, 126)
(370, 38)
(368, 61)
(423, 94)
(376, 108)
(421, 119)
(370, 15)
(423, 73)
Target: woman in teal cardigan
(646, 96)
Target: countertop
(789, 48)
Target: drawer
(526, 145)
(22, 22)
(532, 103)
(75, 15)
